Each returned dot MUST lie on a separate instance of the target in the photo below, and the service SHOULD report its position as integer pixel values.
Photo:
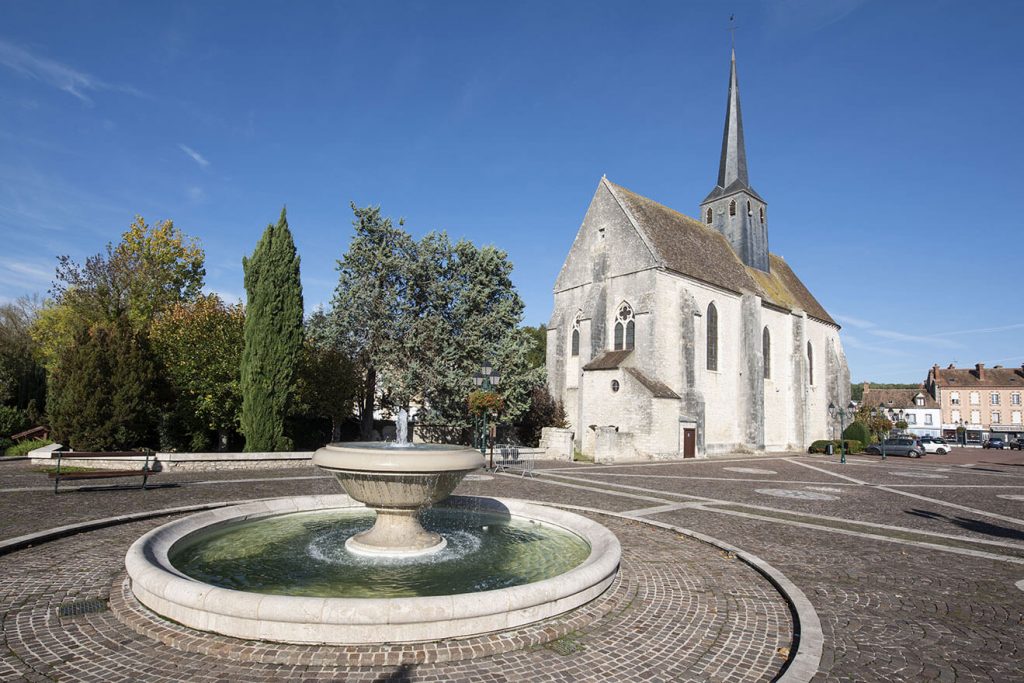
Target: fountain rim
(161, 587)
(356, 456)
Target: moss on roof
(685, 245)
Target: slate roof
(686, 246)
(897, 398)
(657, 389)
(952, 378)
(609, 360)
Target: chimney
(980, 367)
(951, 367)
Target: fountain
(397, 480)
(397, 560)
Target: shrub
(852, 446)
(12, 421)
(25, 446)
(857, 431)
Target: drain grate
(79, 607)
(565, 646)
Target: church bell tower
(733, 207)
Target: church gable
(606, 245)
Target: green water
(304, 554)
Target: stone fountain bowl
(397, 482)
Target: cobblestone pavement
(681, 611)
(910, 564)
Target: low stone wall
(186, 462)
(212, 462)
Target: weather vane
(732, 29)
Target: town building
(978, 403)
(676, 337)
(916, 407)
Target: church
(674, 337)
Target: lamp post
(843, 413)
(486, 379)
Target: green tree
(537, 356)
(149, 270)
(200, 346)
(420, 316)
(326, 385)
(273, 338)
(105, 392)
(22, 377)
(544, 411)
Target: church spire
(732, 168)
(733, 207)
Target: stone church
(675, 337)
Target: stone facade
(662, 324)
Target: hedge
(25, 446)
(852, 446)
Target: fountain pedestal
(397, 483)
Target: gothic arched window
(712, 337)
(732, 208)
(810, 364)
(709, 216)
(575, 348)
(625, 328)
(766, 353)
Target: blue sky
(885, 137)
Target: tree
(537, 356)
(367, 316)
(418, 318)
(22, 378)
(200, 346)
(105, 392)
(326, 383)
(544, 411)
(149, 270)
(273, 338)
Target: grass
(25, 446)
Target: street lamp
(833, 411)
(486, 379)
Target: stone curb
(807, 634)
(10, 545)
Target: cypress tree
(273, 338)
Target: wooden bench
(129, 456)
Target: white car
(937, 446)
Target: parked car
(994, 442)
(909, 447)
(936, 445)
(1016, 443)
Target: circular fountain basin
(489, 597)
(397, 482)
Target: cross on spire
(732, 29)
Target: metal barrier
(507, 459)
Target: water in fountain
(402, 429)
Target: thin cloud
(854, 322)
(195, 156)
(61, 76)
(978, 330)
(21, 274)
(855, 342)
(871, 328)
